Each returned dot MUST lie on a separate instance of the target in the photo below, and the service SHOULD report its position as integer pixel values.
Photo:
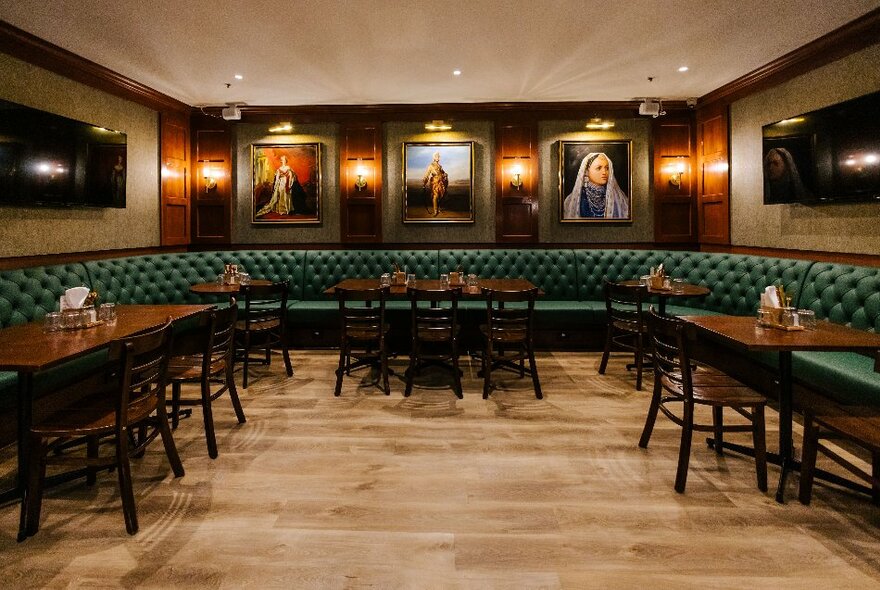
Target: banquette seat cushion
(849, 295)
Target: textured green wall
(30, 231)
(834, 228)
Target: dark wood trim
(443, 246)
(508, 111)
(851, 37)
(817, 255)
(26, 47)
(70, 257)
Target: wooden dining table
(742, 333)
(475, 292)
(215, 288)
(676, 289)
(28, 350)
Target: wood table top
(677, 289)
(743, 332)
(26, 347)
(218, 289)
(399, 291)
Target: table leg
(785, 421)
(662, 305)
(25, 419)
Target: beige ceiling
(388, 51)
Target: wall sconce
(281, 128)
(675, 178)
(516, 177)
(210, 177)
(598, 124)
(438, 125)
(360, 182)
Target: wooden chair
(857, 424)
(129, 391)
(363, 333)
(434, 333)
(205, 355)
(263, 325)
(675, 383)
(624, 305)
(508, 335)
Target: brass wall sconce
(516, 180)
(598, 124)
(360, 182)
(675, 178)
(438, 125)
(284, 127)
(210, 178)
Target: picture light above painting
(50, 160)
(830, 155)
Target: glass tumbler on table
(385, 280)
(52, 321)
(444, 281)
(107, 312)
(411, 280)
(807, 318)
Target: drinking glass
(385, 280)
(444, 281)
(807, 318)
(411, 280)
(472, 280)
(789, 317)
(244, 279)
(107, 312)
(52, 321)
(70, 319)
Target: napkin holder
(771, 317)
(655, 282)
(399, 278)
(455, 278)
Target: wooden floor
(369, 491)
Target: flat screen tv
(826, 156)
(49, 160)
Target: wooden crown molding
(450, 111)
(32, 49)
(851, 37)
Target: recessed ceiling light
(239, 77)
(683, 69)
(456, 72)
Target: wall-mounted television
(49, 160)
(825, 156)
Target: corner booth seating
(571, 308)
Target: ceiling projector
(231, 113)
(650, 107)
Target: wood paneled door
(516, 206)
(675, 209)
(360, 178)
(713, 184)
(212, 181)
(174, 195)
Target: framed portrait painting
(438, 182)
(595, 181)
(286, 183)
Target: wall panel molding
(36, 51)
(817, 255)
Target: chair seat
(505, 336)
(367, 333)
(861, 423)
(632, 327)
(259, 326)
(95, 414)
(718, 393)
(189, 368)
(441, 334)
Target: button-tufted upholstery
(271, 265)
(325, 268)
(844, 294)
(27, 294)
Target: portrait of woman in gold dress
(287, 183)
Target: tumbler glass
(444, 281)
(52, 321)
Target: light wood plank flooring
(369, 491)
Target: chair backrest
(437, 314)
(142, 362)
(264, 303)
(362, 312)
(221, 336)
(625, 303)
(670, 338)
(510, 314)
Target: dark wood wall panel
(713, 182)
(361, 207)
(516, 209)
(674, 183)
(211, 207)
(174, 195)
